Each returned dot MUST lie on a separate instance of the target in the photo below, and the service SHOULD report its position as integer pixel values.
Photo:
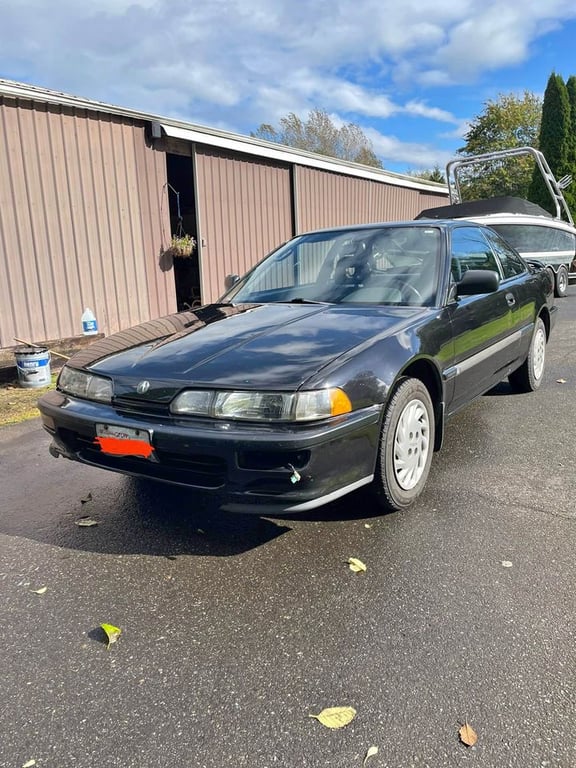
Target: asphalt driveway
(235, 629)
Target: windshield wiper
(300, 300)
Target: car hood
(268, 346)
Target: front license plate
(115, 440)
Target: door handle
(510, 300)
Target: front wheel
(561, 282)
(528, 377)
(406, 446)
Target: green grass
(18, 404)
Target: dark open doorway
(183, 219)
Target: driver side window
(470, 250)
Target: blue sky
(411, 73)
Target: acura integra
(333, 364)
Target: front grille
(131, 407)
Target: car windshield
(390, 265)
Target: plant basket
(182, 246)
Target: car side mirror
(478, 281)
(230, 280)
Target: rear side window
(512, 264)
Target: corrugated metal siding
(244, 211)
(81, 222)
(329, 199)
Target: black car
(333, 364)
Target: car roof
(422, 224)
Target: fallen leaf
(336, 717)
(356, 565)
(86, 522)
(29, 764)
(86, 499)
(371, 752)
(367, 525)
(40, 591)
(561, 381)
(468, 735)
(111, 632)
(507, 563)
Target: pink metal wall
(328, 199)
(244, 209)
(82, 220)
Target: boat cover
(485, 207)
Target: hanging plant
(182, 246)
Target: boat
(533, 231)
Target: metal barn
(90, 195)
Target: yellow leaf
(40, 591)
(371, 752)
(29, 764)
(468, 735)
(111, 632)
(86, 522)
(336, 717)
(356, 565)
(561, 381)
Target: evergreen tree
(570, 192)
(555, 139)
(430, 174)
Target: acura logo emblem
(143, 387)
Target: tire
(529, 376)
(406, 446)
(561, 282)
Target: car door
(481, 324)
(515, 282)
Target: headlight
(83, 384)
(263, 406)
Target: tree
(432, 174)
(555, 140)
(570, 192)
(506, 122)
(319, 134)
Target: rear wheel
(406, 446)
(561, 282)
(529, 376)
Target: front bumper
(248, 467)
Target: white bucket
(33, 364)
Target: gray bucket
(33, 364)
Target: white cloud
(421, 109)
(420, 156)
(238, 63)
